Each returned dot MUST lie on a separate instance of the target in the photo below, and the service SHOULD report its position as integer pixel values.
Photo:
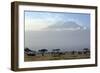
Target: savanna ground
(66, 56)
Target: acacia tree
(29, 52)
(56, 52)
(73, 52)
(27, 49)
(43, 51)
(86, 50)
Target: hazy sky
(37, 20)
(36, 39)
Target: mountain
(69, 25)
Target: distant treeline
(54, 52)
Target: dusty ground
(61, 57)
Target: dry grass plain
(46, 57)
